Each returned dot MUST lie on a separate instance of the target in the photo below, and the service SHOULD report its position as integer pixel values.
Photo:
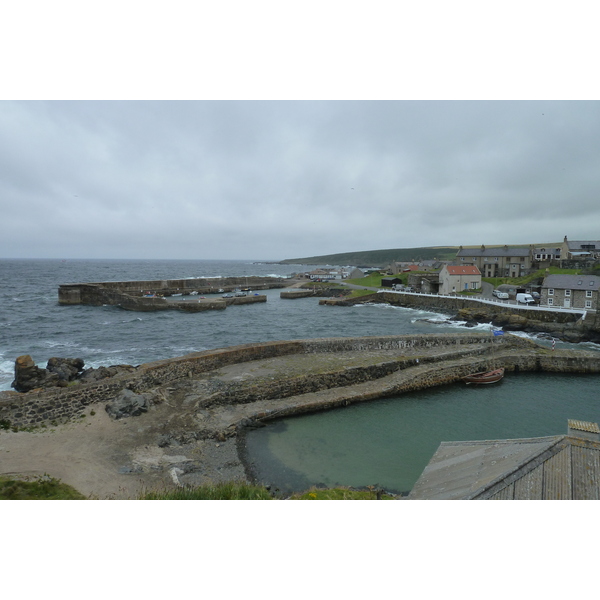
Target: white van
(525, 299)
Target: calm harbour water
(387, 442)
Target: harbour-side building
(571, 291)
(458, 278)
(496, 261)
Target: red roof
(467, 270)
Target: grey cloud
(284, 179)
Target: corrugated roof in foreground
(551, 468)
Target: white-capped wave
(59, 344)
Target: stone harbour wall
(42, 406)
(113, 292)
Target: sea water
(32, 322)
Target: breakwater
(149, 295)
(333, 368)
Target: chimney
(584, 429)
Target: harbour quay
(152, 295)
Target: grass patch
(42, 488)
(341, 494)
(521, 281)
(327, 285)
(359, 293)
(218, 491)
(243, 491)
(372, 280)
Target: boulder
(104, 372)
(67, 369)
(30, 377)
(127, 404)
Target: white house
(455, 279)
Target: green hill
(377, 258)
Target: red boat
(484, 377)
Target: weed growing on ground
(42, 488)
(217, 491)
(342, 494)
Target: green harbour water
(387, 443)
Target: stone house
(544, 256)
(426, 283)
(579, 254)
(496, 262)
(356, 274)
(571, 291)
(580, 249)
(423, 266)
(457, 278)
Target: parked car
(499, 294)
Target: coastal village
(196, 408)
(563, 274)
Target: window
(567, 293)
(496, 258)
(550, 291)
(592, 282)
(462, 258)
(485, 259)
(588, 293)
(588, 304)
(550, 301)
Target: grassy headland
(377, 258)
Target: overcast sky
(285, 179)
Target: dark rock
(30, 377)
(127, 404)
(104, 372)
(67, 369)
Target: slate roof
(474, 252)
(572, 282)
(564, 467)
(578, 245)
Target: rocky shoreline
(569, 327)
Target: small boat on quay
(484, 377)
